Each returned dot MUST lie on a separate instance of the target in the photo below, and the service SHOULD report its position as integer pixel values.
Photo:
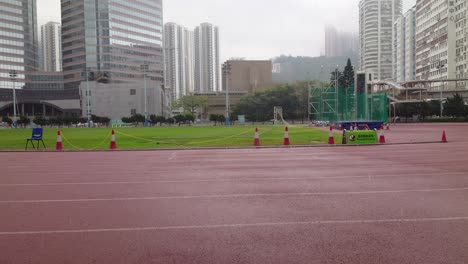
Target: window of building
(132, 91)
(133, 112)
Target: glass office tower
(18, 42)
(119, 43)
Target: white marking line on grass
(232, 180)
(272, 224)
(246, 195)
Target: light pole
(13, 75)
(440, 67)
(227, 74)
(88, 94)
(144, 68)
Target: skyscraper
(340, 43)
(207, 64)
(51, 47)
(404, 59)
(18, 42)
(179, 60)
(376, 20)
(435, 39)
(120, 44)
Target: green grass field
(166, 137)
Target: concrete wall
(116, 100)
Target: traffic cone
(388, 126)
(257, 138)
(444, 137)
(286, 136)
(331, 137)
(113, 145)
(59, 145)
(382, 136)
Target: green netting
(343, 104)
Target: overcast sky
(256, 29)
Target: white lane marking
(230, 196)
(173, 156)
(234, 179)
(161, 228)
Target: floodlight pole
(144, 68)
(13, 75)
(88, 107)
(440, 66)
(227, 74)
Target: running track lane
(380, 204)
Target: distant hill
(288, 69)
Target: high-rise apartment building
(179, 60)
(404, 59)
(18, 42)
(340, 43)
(207, 63)
(461, 42)
(51, 47)
(376, 23)
(120, 44)
(435, 40)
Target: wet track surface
(375, 204)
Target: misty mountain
(288, 69)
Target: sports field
(166, 137)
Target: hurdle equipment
(257, 138)
(331, 137)
(444, 137)
(59, 145)
(113, 144)
(286, 137)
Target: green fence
(344, 104)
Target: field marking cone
(444, 137)
(257, 138)
(59, 145)
(382, 136)
(113, 145)
(286, 136)
(388, 126)
(331, 137)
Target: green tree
(347, 77)
(7, 120)
(455, 106)
(138, 118)
(179, 119)
(221, 119)
(190, 103)
(40, 120)
(189, 117)
(126, 120)
(424, 109)
(214, 118)
(170, 121)
(24, 121)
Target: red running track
(378, 204)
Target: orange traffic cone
(331, 137)
(444, 137)
(257, 138)
(286, 137)
(382, 136)
(59, 145)
(388, 126)
(113, 145)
